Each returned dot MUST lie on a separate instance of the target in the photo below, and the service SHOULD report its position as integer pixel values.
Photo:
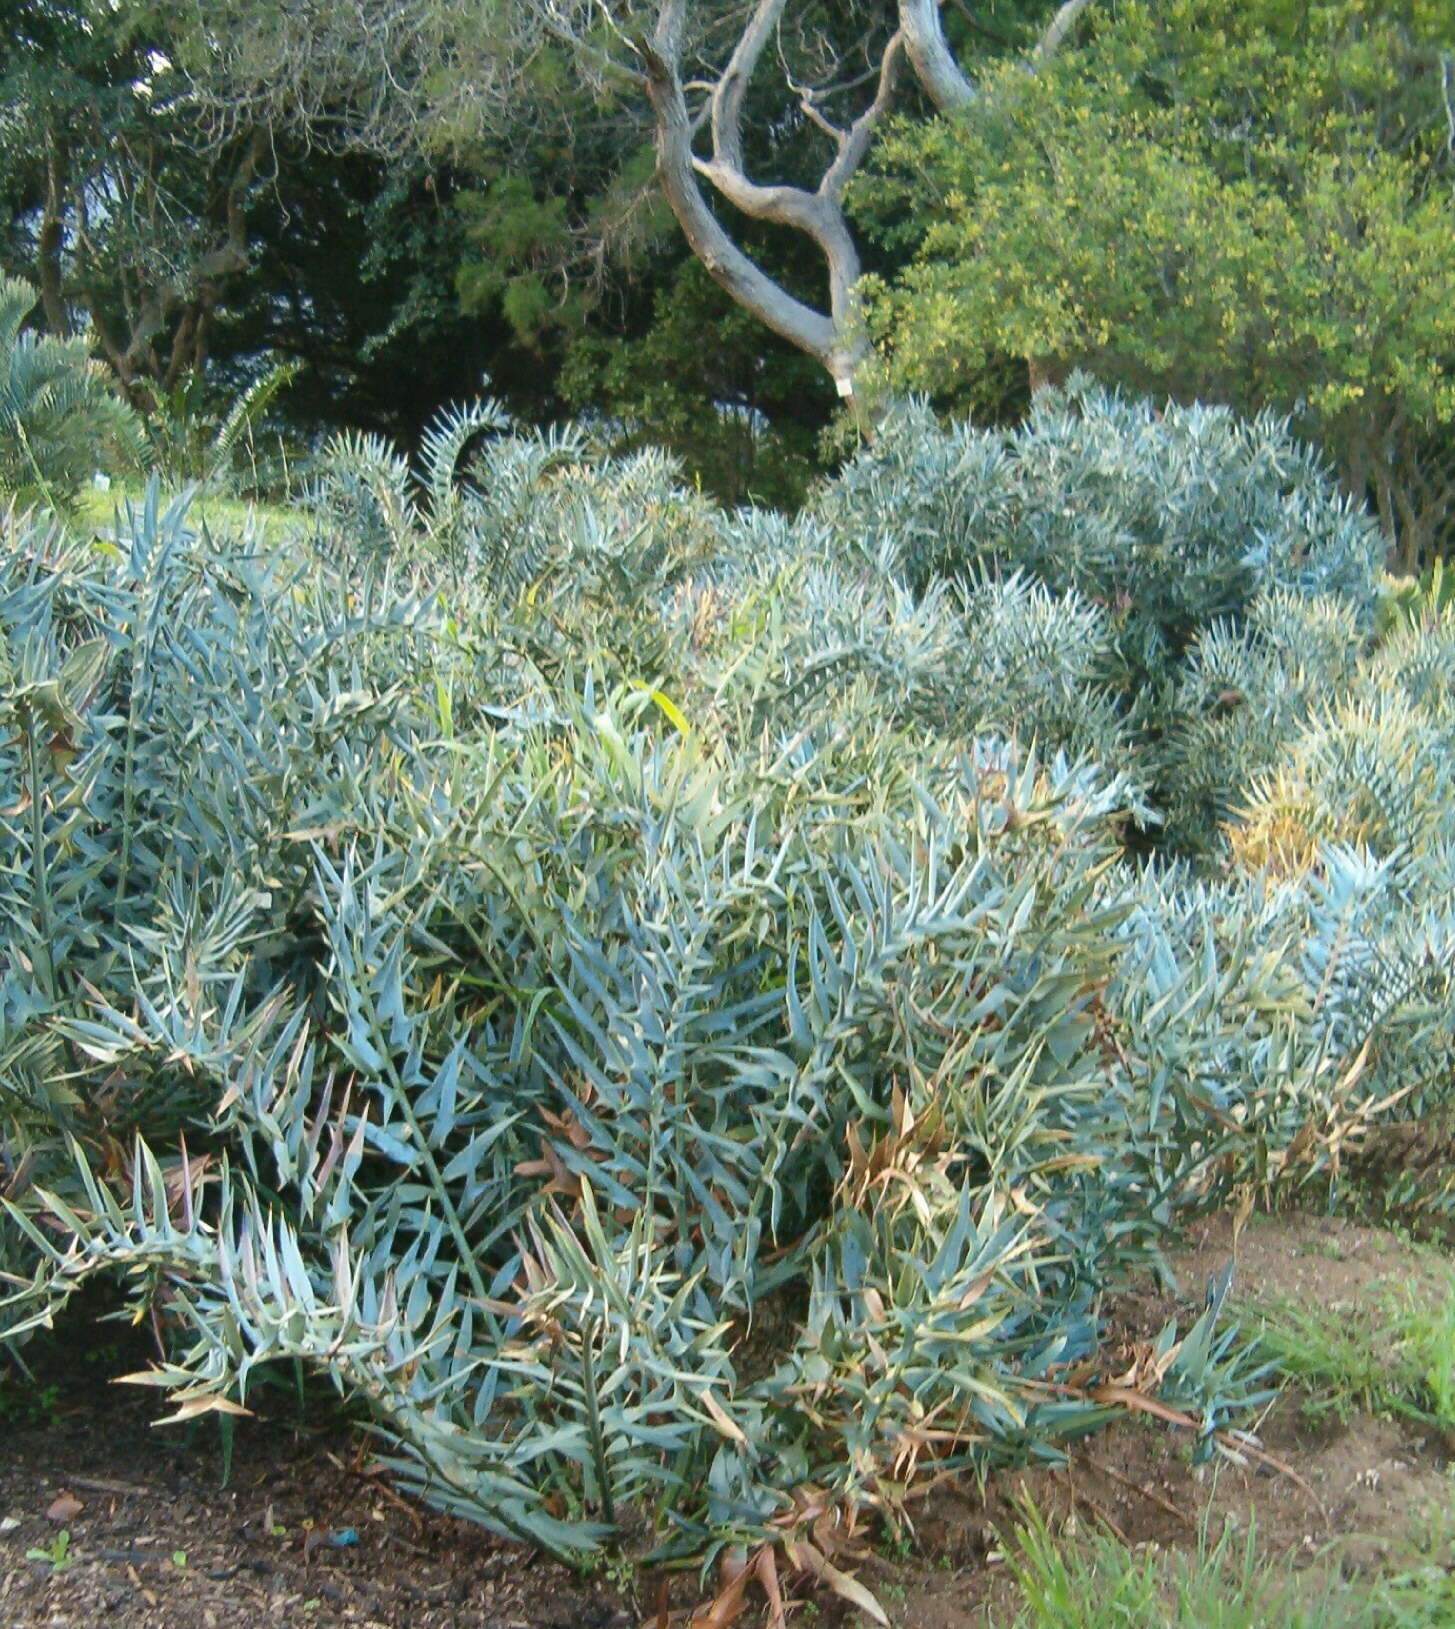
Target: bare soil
(306, 1533)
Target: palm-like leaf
(58, 414)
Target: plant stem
(43, 922)
(593, 1425)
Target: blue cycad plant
(654, 1003)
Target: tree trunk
(50, 241)
(930, 55)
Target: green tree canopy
(199, 239)
(1246, 202)
(118, 208)
(756, 111)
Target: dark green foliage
(742, 411)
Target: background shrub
(60, 418)
(1174, 522)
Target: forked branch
(835, 337)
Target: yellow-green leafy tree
(1241, 202)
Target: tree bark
(930, 56)
(834, 339)
(1056, 31)
(51, 240)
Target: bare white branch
(1056, 31)
(727, 100)
(930, 56)
(811, 331)
(855, 144)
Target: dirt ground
(305, 1533)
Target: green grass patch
(1394, 1355)
(276, 523)
(1101, 1583)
